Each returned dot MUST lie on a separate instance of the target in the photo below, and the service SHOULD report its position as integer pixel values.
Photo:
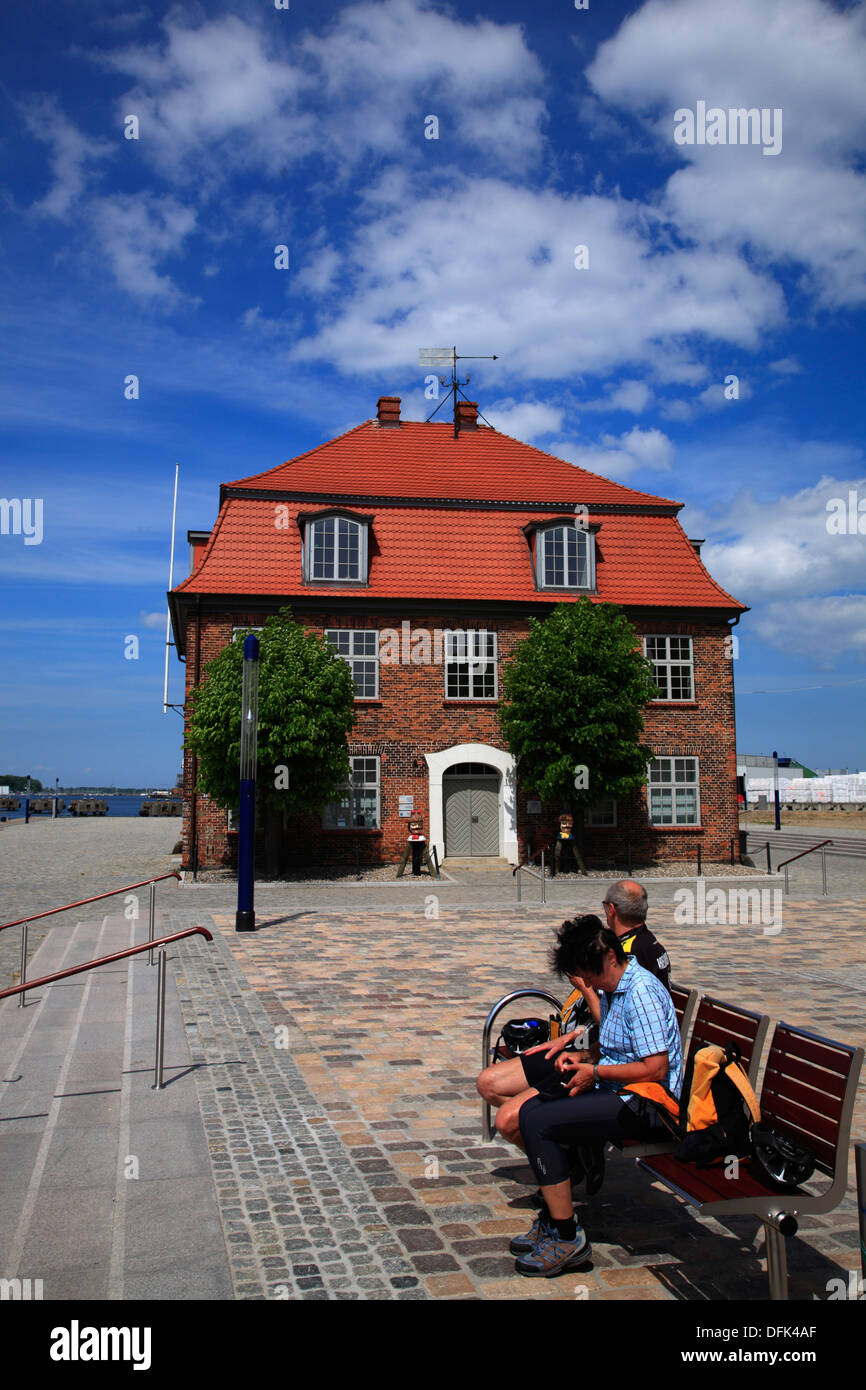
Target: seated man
(639, 1042)
(506, 1085)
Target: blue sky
(305, 127)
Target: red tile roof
(473, 553)
(425, 460)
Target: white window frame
(337, 637)
(607, 806)
(666, 666)
(236, 631)
(344, 808)
(541, 541)
(473, 648)
(336, 519)
(670, 779)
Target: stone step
(480, 863)
(106, 1189)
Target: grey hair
(629, 900)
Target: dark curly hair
(582, 944)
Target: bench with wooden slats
(808, 1094)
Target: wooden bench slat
(830, 1056)
(717, 1011)
(705, 1032)
(823, 1102)
(795, 1069)
(710, 1184)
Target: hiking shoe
(524, 1245)
(553, 1255)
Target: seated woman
(639, 1042)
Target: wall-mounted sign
(406, 805)
(533, 808)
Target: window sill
(491, 701)
(678, 828)
(368, 700)
(675, 704)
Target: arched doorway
(470, 793)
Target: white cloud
(526, 420)
(803, 57)
(619, 456)
(223, 94)
(151, 620)
(782, 549)
(424, 268)
(135, 233)
(649, 448)
(630, 396)
(72, 155)
(786, 366)
(824, 629)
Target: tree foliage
(306, 696)
(574, 695)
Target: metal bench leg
(777, 1262)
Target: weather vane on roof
(449, 357)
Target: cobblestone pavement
(381, 1015)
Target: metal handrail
(34, 916)
(108, 960)
(810, 850)
(822, 847)
(104, 960)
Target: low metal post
(152, 913)
(27, 810)
(786, 878)
(519, 895)
(824, 870)
(860, 1168)
(543, 880)
(436, 860)
(160, 1021)
(699, 861)
(23, 970)
(769, 865)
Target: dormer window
(335, 549)
(565, 557)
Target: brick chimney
(467, 415)
(388, 411)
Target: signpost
(245, 918)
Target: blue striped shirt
(637, 1021)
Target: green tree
(306, 699)
(572, 713)
(16, 783)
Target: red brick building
(419, 550)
